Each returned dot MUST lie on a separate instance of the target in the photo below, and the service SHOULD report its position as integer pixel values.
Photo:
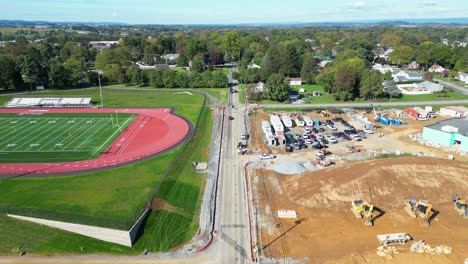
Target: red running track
(153, 131)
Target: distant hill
(4, 23)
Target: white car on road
(266, 156)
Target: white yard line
(117, 130)
(37, 139)
(84, 133)
(58, 136)
(34, 128)
(15, 128)
(97, 130)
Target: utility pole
(100, 88)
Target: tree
(10, 75)
(276, 88)
(326, 79)
(59, 76)
(443, 55)
(402, 55)
(169, 79)
(232, 44)
(347, 77)
(391, 89)
(371, 86)
(197, 65)
(195, 47)
(156, 79)
(135, 76)
(308, 69)
(390, 40)
(220, 80)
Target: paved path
(367, 104)
(452, 86)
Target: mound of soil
(387, 183)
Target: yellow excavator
(461, 206)
(419, 208)
(361, 209)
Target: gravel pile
(290, 168)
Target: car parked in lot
(355, 137)
(309, 141)
(368, 131)
(315, 130)
(332, 139)
(332, 127)
(422, 118)
(329, 122)
(346, 137)
(266, 156)
(324, 141)
(319, 136)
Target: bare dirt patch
(160, 204)
(329, 232)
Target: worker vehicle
(231, 118)
(461, 206)
(361, 209)
(419, 208)
(266, 156)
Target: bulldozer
(419, 208)
(461, 206)
(361, 209)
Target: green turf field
(58, 137)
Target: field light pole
(99, 72)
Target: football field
(58, 137)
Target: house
(463, 77)
(295, 81)
(454, 111)
(324, 63)
(413, 65)
(253, 66)
(448, 133)
(383, 69)
(170, 58)
(407, 76)
(436, 68)
(100, 45)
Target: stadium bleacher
(49, 102)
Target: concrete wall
(120, 237)
(437, 136)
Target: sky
(227, 12)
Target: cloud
(359, 5)
(428, 3)
(115, 13)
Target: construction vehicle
(352, 149)
(361, 209)
(461, 206)
(419, 208)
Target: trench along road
(232, 240)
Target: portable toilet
(384, 121)
(316, 122)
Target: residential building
(170, 58)
(253, 66)
(448, 133)
(436, 68)
(407, 76)
(463, 77)
(101, 45)
(414, 65)
(295, 81)
(383, 69)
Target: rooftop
(460, 123)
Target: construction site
(339, 212)
(389, 197)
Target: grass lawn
(58, 137)
(241, 93)
(220, 93)
(13, 30)
(112, 198)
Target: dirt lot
(328, 231)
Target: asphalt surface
(452, 86)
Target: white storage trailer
(299, 121)
(266, 127)
(421, 111)
(276, 123)
(308, 121)
(287, 121)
